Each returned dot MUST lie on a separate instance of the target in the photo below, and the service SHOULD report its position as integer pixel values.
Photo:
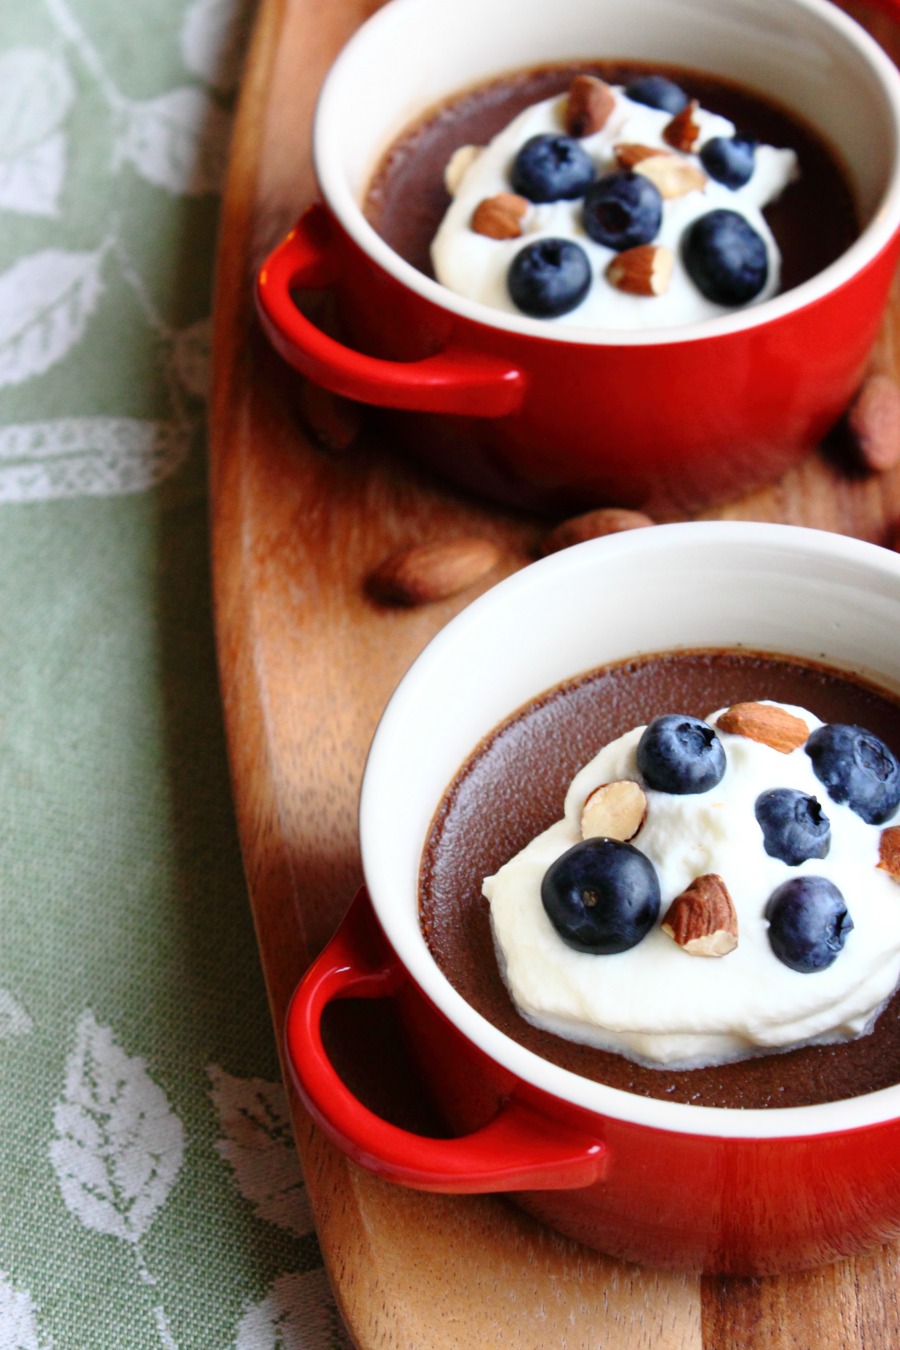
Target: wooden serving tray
(307, 662)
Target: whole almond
(630, 153)
(645, 269)
(593, 525)
(672, 175)
(588, 105)
(761, 722)
(889, 851)
(614, 811)
(874, 423)
(333, 422)
(500, 217)
(702, 919)
(683, 130)
(429, 572)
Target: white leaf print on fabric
(36, 93)
(87, 457)
(192, 356)
(118, 1145)
(18, 1319)
(31, 183)
(14, 1021)
(259, 1147)
(46, 300)
(298, 1313)
(214, 37)
(178, 141)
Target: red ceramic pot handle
(521, 1149)
(453, 381)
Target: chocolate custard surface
(814, 221)
(514, 786)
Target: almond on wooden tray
(425, 573)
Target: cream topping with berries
(656, 291)
(664, 1001)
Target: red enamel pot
(556, 415)
(654, 1181)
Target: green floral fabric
(149, 1190)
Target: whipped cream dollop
(659, 1004)
(476, 266)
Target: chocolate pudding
(814, 220)
(513, 787)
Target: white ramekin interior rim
(385, 33)
(418, 745)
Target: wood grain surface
(307, 662)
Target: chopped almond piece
(629, 153)
(614, 811)
(459, 164)
(643, 270)
(702, 920)
(889, 851)
(682, 132)
(588, 106)
(500, 217)
(672, 175)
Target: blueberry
(655, 91)
(549, 277)
(856, 767)
(550, 168)
(794, 825)
(808, 923)
(602, 896)
(725, 258)
(622, 209)
(680, 754)
(729, 159)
